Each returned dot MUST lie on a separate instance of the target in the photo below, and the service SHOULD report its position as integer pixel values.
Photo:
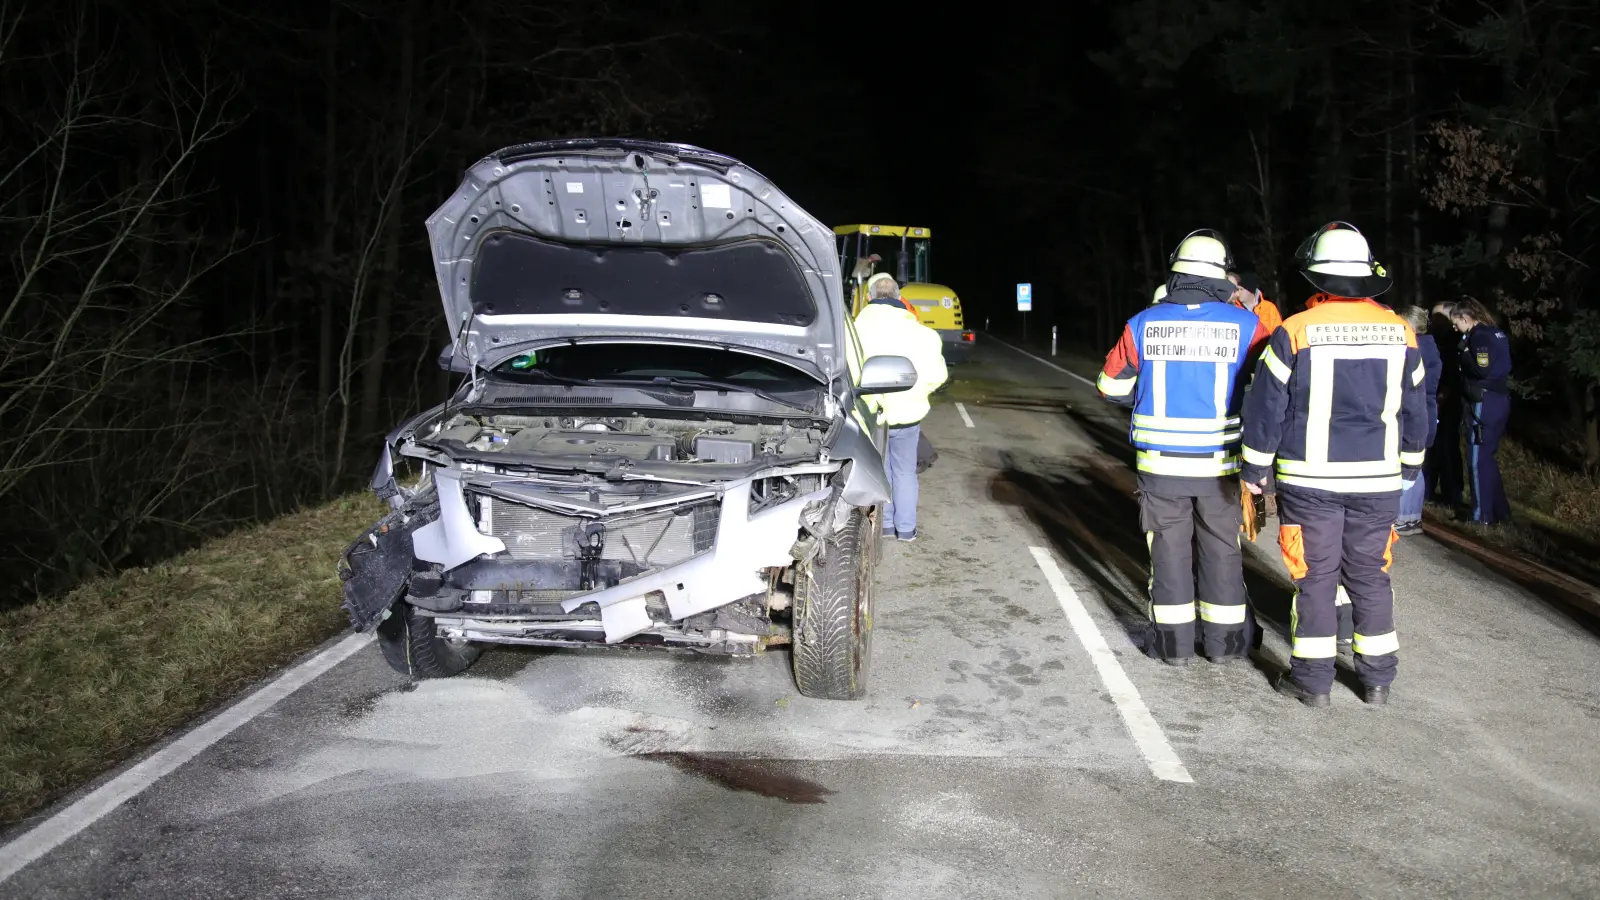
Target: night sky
(909, 122)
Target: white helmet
(1337, 259)
(1340, 251)
(1161, 291)
(1202, 252)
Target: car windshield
(645, 362)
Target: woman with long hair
(1485, 360)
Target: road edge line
(1146, 732)
(40, 840)
(966, 418)
(1038, 359)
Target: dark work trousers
(1178, 516)
(1330, 539)
(1442, 466)
(1486, 426)
(1347, 621)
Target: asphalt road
(990, 760)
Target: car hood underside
(633, 240)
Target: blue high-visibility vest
(1192, 361)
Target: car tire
(412, 645)
(832, 644)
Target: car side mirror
(887, 375)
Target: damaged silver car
(665, 435)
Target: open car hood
(625, 239)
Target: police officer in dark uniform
(1443, 465)
(1486, 405)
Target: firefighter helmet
(1337, 260)
(1202, 252)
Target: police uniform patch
(1483, 359)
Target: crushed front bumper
(442, 562)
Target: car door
(866, 409)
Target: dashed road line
(966, 419)
(1040, 360)
(62, 826)
(1152, 741)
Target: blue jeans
(901, 463)
(1411, 499)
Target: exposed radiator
(655, 538)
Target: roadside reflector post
(1025, 306)
(1052, 340)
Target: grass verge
(1553, 496)
(91, 677)
(1555, 509)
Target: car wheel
(412, 646)
(833, 613)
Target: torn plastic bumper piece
(376, 567)
(454, 538)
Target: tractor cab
(906, 253)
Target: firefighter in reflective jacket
(1337, 405)
(1180, 365)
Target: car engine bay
(554, 440)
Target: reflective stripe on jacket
(1181, 366)
(887, 330)
(1337, 402)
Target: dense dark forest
(1459, 136)
(218, 291)
(218, 294)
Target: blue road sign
(1024, 297)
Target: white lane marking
(962, 408)
(1164, 762)
(1039, 360)
(56, 830)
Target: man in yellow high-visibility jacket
(887, 328)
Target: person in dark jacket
(1442, 472)
(1414, 492)
(1486, 405)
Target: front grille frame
(650, 538)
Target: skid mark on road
(1163, 760)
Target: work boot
(1179, 661)
(1225, 660)
(1286, 686)
(1376, 695)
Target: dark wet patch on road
(504, 662)
(746, 774)
(358, 706)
